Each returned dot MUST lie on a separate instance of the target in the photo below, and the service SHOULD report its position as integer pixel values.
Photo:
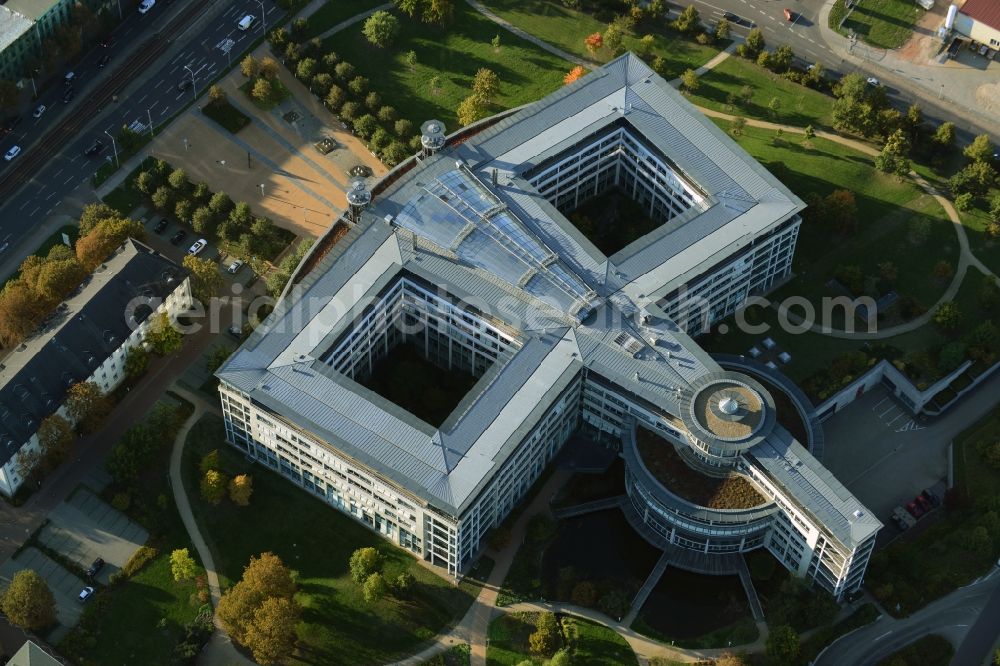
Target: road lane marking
(35, 211)
(880, 402)
(882, 636)
(139, 101)
(25, 204)
(51, 194)
(49, 211)
(69, 180)
(56, 174)
(895, 419)
(887, 411)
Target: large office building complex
(465, 256)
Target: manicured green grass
(125, 198)
(337, 626)
(932, 650)
(567, 28)
(886, 206)
(799, 105)
(458, 655)
(332, 13)
(588, 642)
(886, 24)
(986, 248)
(453, 55)
(226, 115)
(524, 578)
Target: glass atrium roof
(458, 213)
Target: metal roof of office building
(79, 337)
(486, 238)
(13, 24)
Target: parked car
(103, 60)
(85, 594)
(95, 568)
(11, 123)
(108, 42)
(236, 331)
(94, 148)
(923, 503)
(246, 22)
(146, 5)
(789, 14)
(198, 246)
(68, 95)
(183, 84)
(69, 78)
(39, 110)
(177, 238)
(872, 81)
(235, 267)
(12, 153)
(931, 497)
(160, 226)
(914, 510)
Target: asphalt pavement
(164, 91)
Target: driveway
(84, 528)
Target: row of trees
(347, 94)
(214, 483)
(43, 282)
(366, 567)
(260, 611)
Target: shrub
(139, 559)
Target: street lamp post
(113, 147)
(262, 189)
(119, 9)
(194, 84)
(185, 145)
(263, 18)
(149, 114)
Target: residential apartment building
(86, 339)
(465, 254)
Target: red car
(788, 14)
(914, 510)
(923, 503)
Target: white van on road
(246, 22)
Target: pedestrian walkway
(588, 507)
(527, 36)
(647, 587)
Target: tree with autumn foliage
(87, 406)
(240, 489)
(108, 234)
(574, 74)
(260, 611)
(594, 43)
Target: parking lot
(84, 528)
(65, 586)
(882, 453)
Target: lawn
(566, 28)
(140, 619)
(453, 55)
(886, 24)
(458, 655)
(886, 211)
(588, 642)
(931, 650)
(226, 115)
(913, 572)
(986, 248)
(799, 105)
(125, 198)
(612, 220)
(337, 626)
(332, 13)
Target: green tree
(782, 59)
(162, 198)
(410, 58)
(213, 486)
(364, 562)
(358, 85)
(403, 583)
(249, 66)
(271, 635)
(336, 97)
(184, 210)
(28, 602)
(470, 110)
(182, 565)
(344, 71)
(948, 317)
(136, 362)
(495, 43)
(381, 29)
(485, 85)
(722, 30)
(144, 182)
(976, 178)
(754, 44)
(306, 69)
(737, 126)
(365, 126)
(944, 136)
(178, 180)
(893, 158)
(544, 641)
(614, 38)
(240, 489)
(688, 21)
(87, 406)
(689, 79)
(203, 221)
(262, 90)
(269, 66)
(55, 439)
(964, 202)
(216, 94)
(162, 336)
(980, 150)
(782, 646)
(206, 281)
(374, 588)
(858, 105)
(439, 12)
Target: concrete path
(527, 36)
(651, 580)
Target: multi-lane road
(52, 164)
(803, 34)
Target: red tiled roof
(984, 11)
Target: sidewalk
(945, 82)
